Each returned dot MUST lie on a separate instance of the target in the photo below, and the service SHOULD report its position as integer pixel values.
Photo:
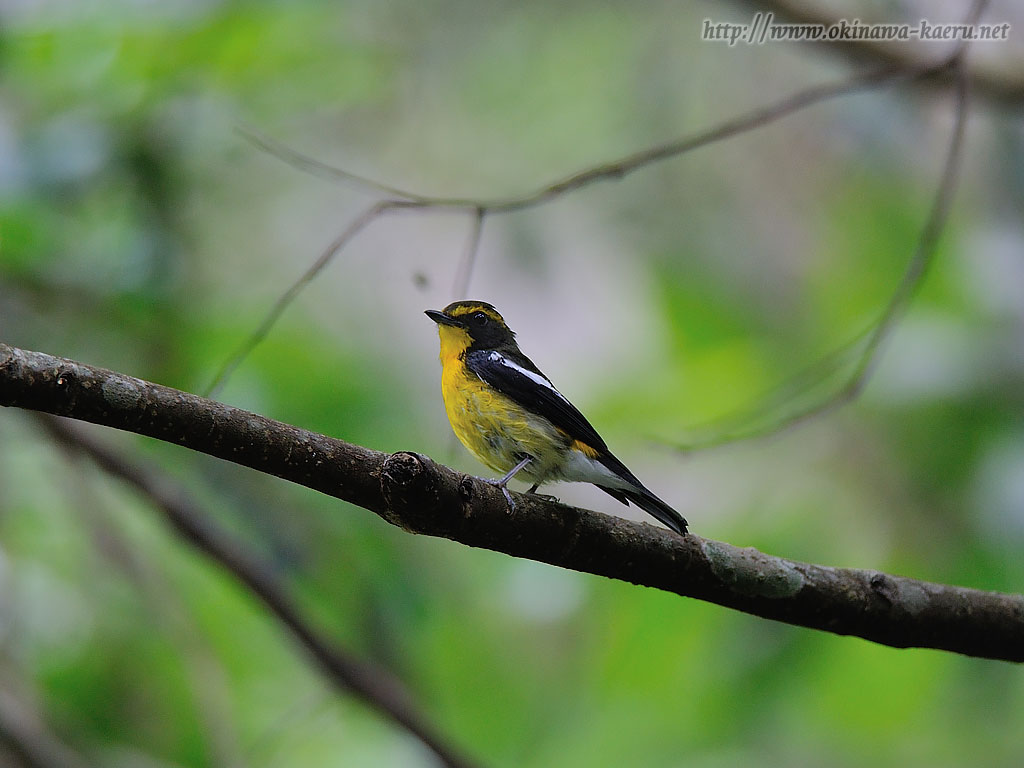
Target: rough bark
(420, 496)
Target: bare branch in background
(28, 739)
(869, 341)
(162, 604)
(372, 684)
(748, 423)
(1002, 87)
(482, 207)
(358, 225)
(420, 496)
(465, 275)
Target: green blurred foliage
(138, 231)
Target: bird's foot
(545, 496)
(505, 492)
(503, 483)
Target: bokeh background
(140, 231)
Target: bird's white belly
(580, 468)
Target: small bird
(510, 416)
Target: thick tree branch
(420, 496)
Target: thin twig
(315, 167)
(354, 228)
(920, 262)
(736, 426)
(611, 170)
(621, 167)
(374, 685)
(465, 273)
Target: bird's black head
(472, 324)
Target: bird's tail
(639, 495)
(650, 504)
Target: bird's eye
(480, 317)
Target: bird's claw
(504, 492)
(508, 498)
(545, 496)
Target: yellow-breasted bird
(510, 416)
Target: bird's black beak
(442, 319)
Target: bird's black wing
(516, 377)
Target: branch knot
(412, 492)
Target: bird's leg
(503, 483)
(546, 497)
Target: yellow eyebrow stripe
(468, 309)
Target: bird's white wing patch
(536, 378)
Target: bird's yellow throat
(454, 342)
